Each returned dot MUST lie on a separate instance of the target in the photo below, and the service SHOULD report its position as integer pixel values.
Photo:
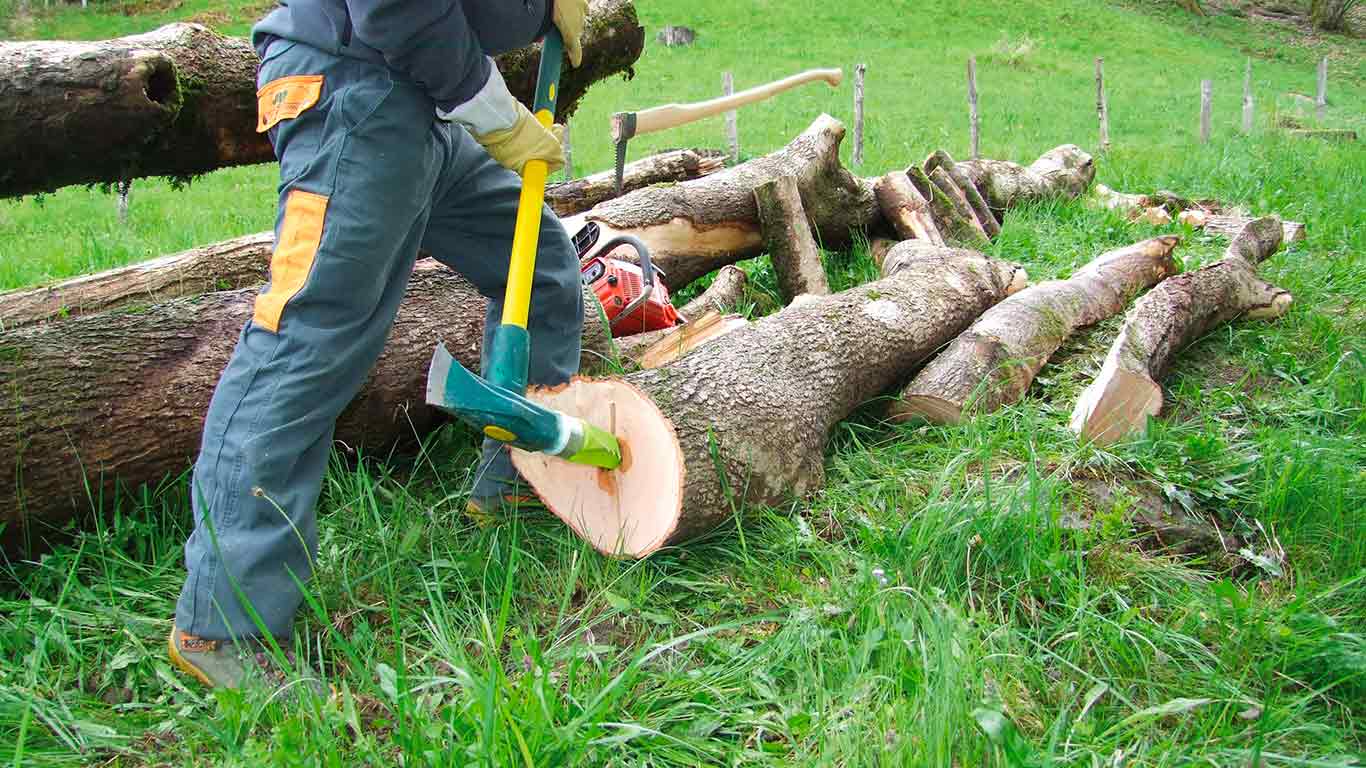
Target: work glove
(569, 15)
(506, 128)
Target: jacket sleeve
(431, 42)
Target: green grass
(931, 606)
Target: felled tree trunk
(1231, 226)
(181, 100)
(237, 263)
(1165, 321)
(745, 420)
(956, 225)
(1063, 172)
(570, 197)
(993, 363)
(787, 238)
(121, 396)
(698, 226)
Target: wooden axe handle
(672, 115)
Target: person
(395, 132)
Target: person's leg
(470, 230)
(358, 169)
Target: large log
(243, 262)
(1062, 172)
(1177, 312)
(181, 100)
(699, 226)
(120, 397)
(745, 420)
(993, 363)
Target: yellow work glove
(569, 15)
(526, 140)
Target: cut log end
(1117, 404)
(628, 512)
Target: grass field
(934, 605)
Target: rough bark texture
(760, 402)
(181, 100)
(1065, 171)
(570, 197)
(980, 211)
(238, 263)
(121, 396)
(993, 363)
(906, 209)
(698, 226)
(787, 239)
(951, 205)
(1169, 318)
(723, 293)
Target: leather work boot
(247, 663)
(487, 510)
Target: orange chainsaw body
(618, 284)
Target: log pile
(107, 377)
(181, 100)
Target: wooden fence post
(859, 72)
(972, 109)
(1102, 106)
(1206, 109)
(124, 187)
(1248, 107)
(732, 131)
(1321, 103)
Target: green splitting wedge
(498, 406)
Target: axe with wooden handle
(626, 125)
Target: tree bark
(1173, 315)
(721, 296)
(955, 221)
(985, 218)
(906, 209)
(698, 226)
(993, 363)
(1065, 172)
(570, 197)
(181, 100)
(745, 421)
(118, 398)
(787, 238)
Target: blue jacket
(442, 45)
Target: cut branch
(698, 226)
(993, 363)
(985, 218)
(1063, 172)
(120, 397)
(787, 238)
(1231, 226)
(181, 100)
(906, 209)
(745, 421)
(571, 197)
(1167, 320)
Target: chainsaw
(632, 294)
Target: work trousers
(368, 176)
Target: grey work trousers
(368, 176)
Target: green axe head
(511, 418)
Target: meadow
(952, 597)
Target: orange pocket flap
(285, 99)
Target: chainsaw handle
(647, 271)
